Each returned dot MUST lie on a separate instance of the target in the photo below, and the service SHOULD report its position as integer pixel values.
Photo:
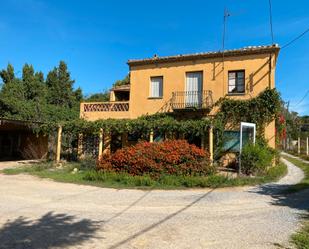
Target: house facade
(187, 84)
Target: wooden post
(211, 145)
(106, 143)
(100, 143)
(298, 145)
(80, 146)
(58, 151)
(203, 142)
(151, 136)
(124, 139)
(307, 146)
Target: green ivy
(260, 110)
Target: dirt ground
(39, 213)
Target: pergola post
(80, 146)
(203, 142)
(58, 150)
(100, 143)
(298, 145)
(211, 145)
(151, 136)
(124, 139)
(106, 143)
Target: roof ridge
(244, 50)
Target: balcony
(104, 110)
(191, 100)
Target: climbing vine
(260, 110)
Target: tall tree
(31, 98)
(7, 75)
(60, 86)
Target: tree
(122, 82)
(98, 97)
(60, 87)
(32, 98)
(7, 75)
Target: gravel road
(39, 213)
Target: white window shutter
(156, 87)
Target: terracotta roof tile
(232, 52)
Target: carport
(18, 140)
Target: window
(236, 81)
(156, 87)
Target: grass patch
(89, 176)
(305, 167)
(301, 238)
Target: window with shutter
(156, 87)
(236, 81)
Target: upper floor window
(236, 82)
(156, 87)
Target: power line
(295, 39)
(306, 94)
(271, 22)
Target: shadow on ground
(160, 222)
(284, 195)
(51, 230)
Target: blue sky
(96, 38)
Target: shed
(18, 140)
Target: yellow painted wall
(258, 77)
(214, 78)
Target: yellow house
(190, 83)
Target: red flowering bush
(173, 157)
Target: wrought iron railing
(107, 107)
(192, 100)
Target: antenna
(225, 16)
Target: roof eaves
(233, 52)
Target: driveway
(39, 213)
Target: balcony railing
(192, 100)
(107, 107)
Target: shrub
(256, 158)
(87, 163)
(171, 157)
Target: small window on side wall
(236, 81)
(156, 87)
